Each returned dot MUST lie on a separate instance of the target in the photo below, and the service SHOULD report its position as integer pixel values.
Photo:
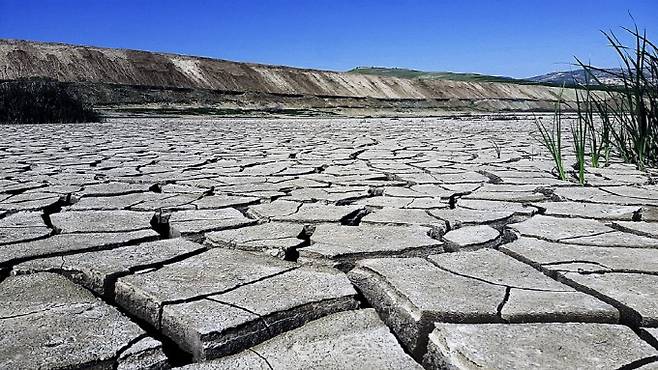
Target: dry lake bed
(296, 244)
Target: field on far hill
(451, 76)
(567, 79)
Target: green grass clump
(629, 112)
(551, 138)
(579, 130)
(596, 136)
(496, 148)
(41, 101)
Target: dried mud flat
(290, 244)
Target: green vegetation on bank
(41, 101)
(468, 77)
(452, 76)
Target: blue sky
(516, 38)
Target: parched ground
(296, 244)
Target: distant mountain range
(561, 78)
(569, 78)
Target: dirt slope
(152, 77)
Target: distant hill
(452, 76)
(578, 76)
(553, 79)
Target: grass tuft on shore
(629, 113)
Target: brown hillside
(96, 69)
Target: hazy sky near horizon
(518, 38)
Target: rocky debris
(535, 346)
(471, 237)
(22, 227)
(345, 340)
(97, 271)
(224, 301)
(48, 322)
(483, 286)
(342, 246)
(277, 239)
(101, 221)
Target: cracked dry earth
(295, 244)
